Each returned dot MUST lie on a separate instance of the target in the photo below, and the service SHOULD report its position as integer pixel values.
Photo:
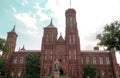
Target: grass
(61, 76)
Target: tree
(4, 47)
(2, 68)
(32, 69)
(2, 42)
(89, 71)
(110, 37)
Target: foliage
(47, 77)
(110, 37)
(89, 71)
(2, 42)
(2, 68)
(4, 46)
(32, 69)
(61, 76)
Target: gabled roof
(60, 39)
(23, 48)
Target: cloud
(91, 17)
(26, 19)
(24, 2)
(43, 16)
(14, 9)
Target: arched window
(19, 72)
(12, 73)
(102, 72)
(51, 55)
(94, 60)
(14, 59)
(101, 60)
(45, 52)
(46, 38)
(69, 55)
(87, 59)
(107, 60)
(69, 39)
(73, 39)
(75, 54)
(67, 20)
(71, 21)
(82, 60)
(45, 57)
(21, 59)
(44, 69)
(74, 21)
(52, 38)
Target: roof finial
(23, 48)
(13, 30)
(70, 3)
(61, 34)
(51, 21)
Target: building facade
(67, 50)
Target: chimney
(96, 48)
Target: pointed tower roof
(13, 30)
(60, 39)
(23, 48)
(70, 10)
(50, 25)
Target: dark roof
(13, 30)
(50, 25)
(60, 39)
(70, 10)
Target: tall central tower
(72, 44)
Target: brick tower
(72, 44)
(48, 49)
(11, 39)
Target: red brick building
(67, 51)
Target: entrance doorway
(61, 72)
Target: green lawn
(62, 76)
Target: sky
(31, 16)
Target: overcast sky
(30, 16)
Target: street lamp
(88, 76)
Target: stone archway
(62, 71)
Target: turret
(11, 39)
(70, 18)
(50, 34)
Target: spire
(60, 39)
(23, 48)
(70, 3)
(61, 34)
(51, 22)
(50, 25)
(13, 30)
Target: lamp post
(0, 74)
